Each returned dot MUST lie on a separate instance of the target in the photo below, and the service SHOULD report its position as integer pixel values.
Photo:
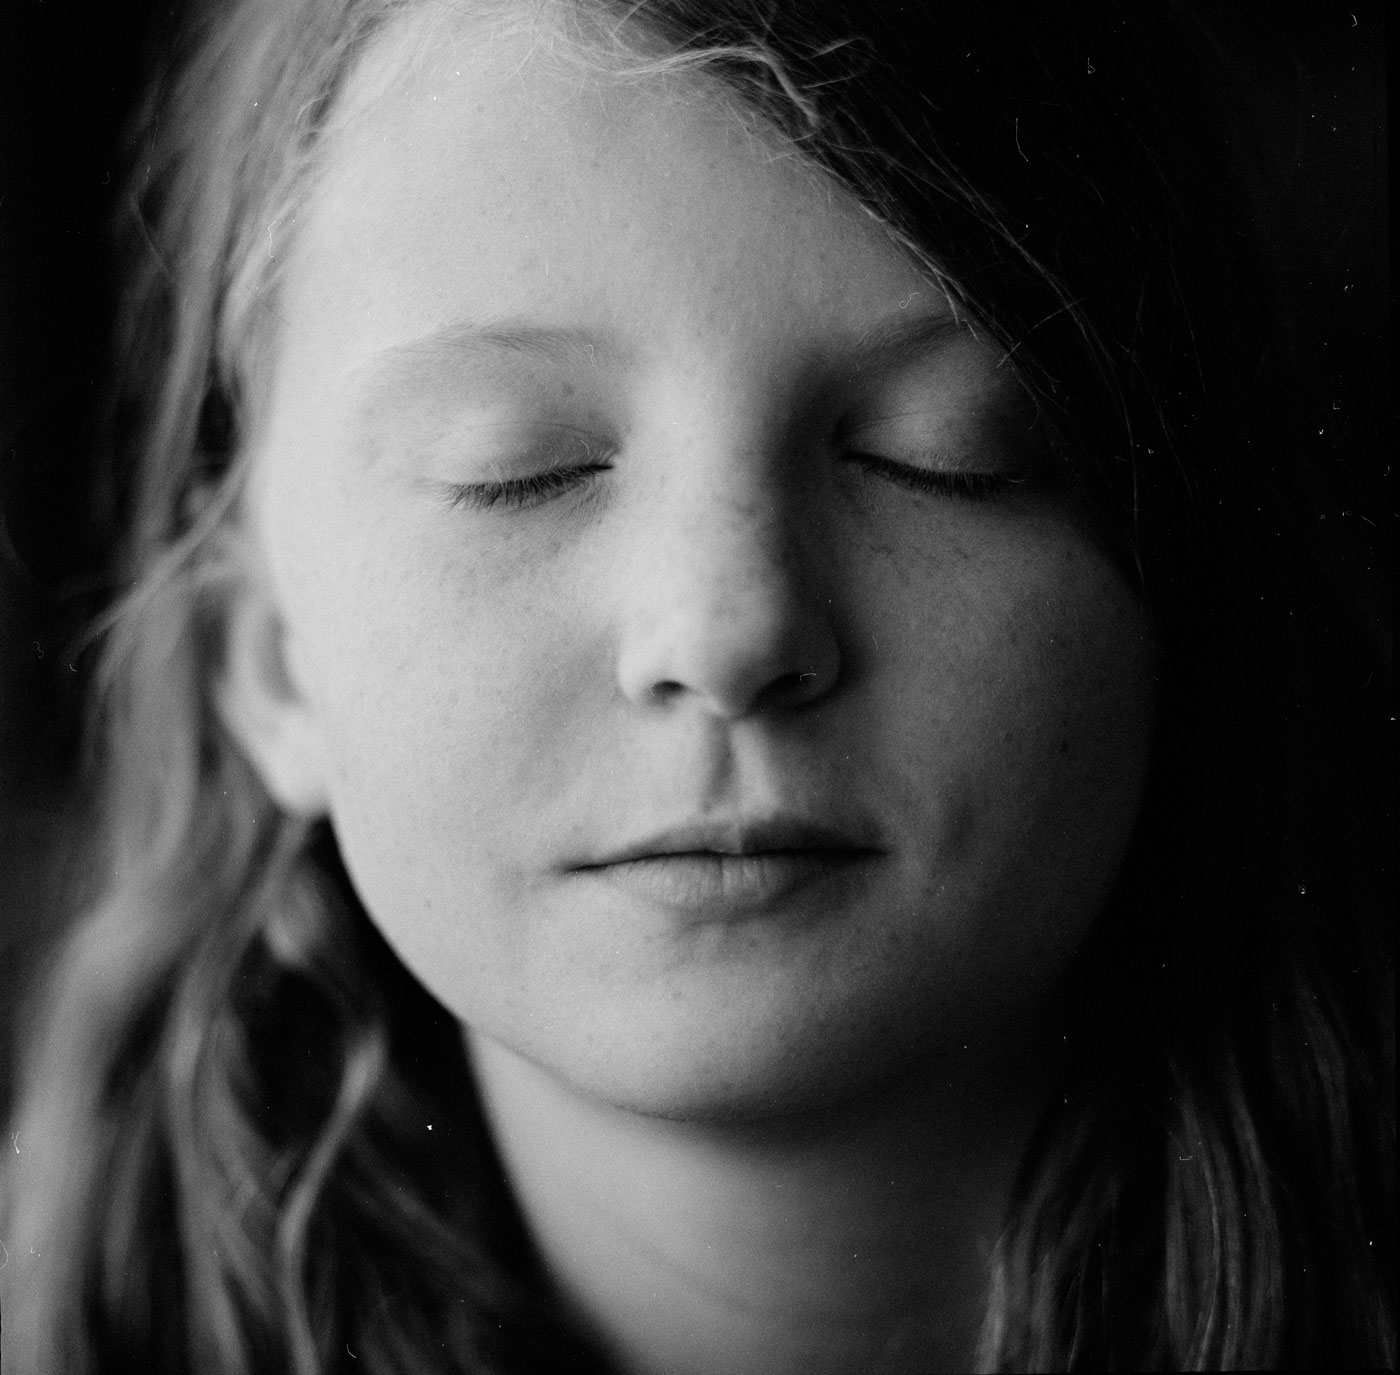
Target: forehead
(499, 169)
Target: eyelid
(943, 436)
(522, 493)
(537, 459)
(540, 443)
(941, 477)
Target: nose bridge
(726, 613)
(736, 545)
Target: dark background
(1303, 87)
(68, 80)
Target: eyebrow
(441, 353)
(903, 339)
(461, 341)
(885, 341)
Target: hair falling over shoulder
(247, 1138)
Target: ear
(263, 706)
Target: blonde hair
(135, 1098)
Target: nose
(727, 610)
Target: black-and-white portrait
(694, 688)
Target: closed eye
(942, 481)
(522, 493)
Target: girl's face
(716, 698)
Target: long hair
(225, 1160)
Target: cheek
(1034, 657)
(1084, 656)
(1076, 735)
(456, 702)
(1017, 704)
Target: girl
(695, 756)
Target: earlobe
(262, 705)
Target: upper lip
(739, 836)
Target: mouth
(732, 869)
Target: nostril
(791, 688)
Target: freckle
(1064, 744)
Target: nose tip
(733, 646)
(744, 690)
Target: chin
(706, 1069)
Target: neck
(849, 1240)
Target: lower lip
(715, 885)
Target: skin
(711, 1085)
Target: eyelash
(945, 482)
(522, 493)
